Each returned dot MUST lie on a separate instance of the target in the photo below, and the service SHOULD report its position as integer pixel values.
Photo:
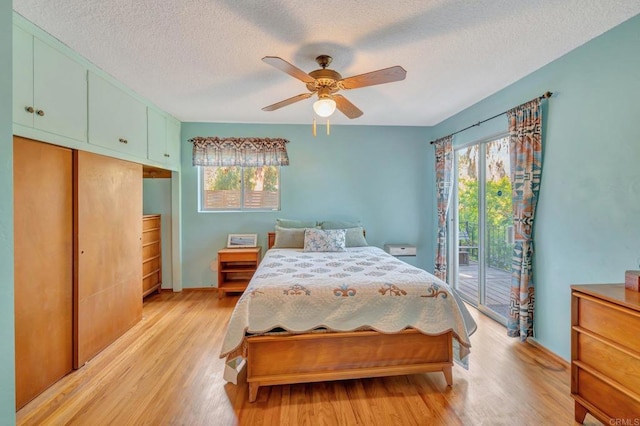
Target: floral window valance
(249, 152)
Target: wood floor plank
(166, 371)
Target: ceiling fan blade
(286, 102)
(386, 75)
(290, 69)
(346, 107)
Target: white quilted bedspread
(362, 288)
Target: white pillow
(324, 240)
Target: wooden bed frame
(315, 357)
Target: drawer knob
(40, 112)
(167, 155)
(122, 140)
(29, 109)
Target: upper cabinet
(61, 98)
(117, 120)
(173, 143)
(49, 88)
(164, 139)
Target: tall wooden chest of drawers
(605, 353)
(151, 254)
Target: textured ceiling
(200, 59)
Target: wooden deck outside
(498, 283)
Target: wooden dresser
(605, 353)
(151, 254)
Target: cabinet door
(116, 120)
(108, 251)
(173, 144)
(164, 139)
(157, 136)
(59, 93)
(22, 77)
(43, 265)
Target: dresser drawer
(150, 265)
(150, 250)
(150, 236)
(237, 257)
(617, 364)
(609, 400)
(150, 281)
(151, 222)
(610, 321)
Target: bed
(319, 316)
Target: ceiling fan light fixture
(324, 107)
(326, 83)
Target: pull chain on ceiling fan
(326, 82)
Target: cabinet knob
(167, 155)
(40, 112)
(29, 109)
(123, 140)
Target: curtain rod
(546, 95)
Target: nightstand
(400, 249)
(236, 266)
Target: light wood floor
(166, 370)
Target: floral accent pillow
(324, 240)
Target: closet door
(108, 251)
(43, 265)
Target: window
(238, 188)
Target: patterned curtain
(249, 152)
(444, 164)
(525, 132)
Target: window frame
(242, 209)
(453, 232)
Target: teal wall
(587, 228)
(379, 175)
(7, 372)
(156, 199)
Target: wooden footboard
(314, 357)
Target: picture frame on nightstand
(242, 240)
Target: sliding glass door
(482, 240)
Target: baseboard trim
(170, 290)
(200, 289)
(563, 363)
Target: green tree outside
(222, 178)
(263, 178)
(499, 217)
(230, 178)
(241, 187)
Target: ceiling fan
(327, 82)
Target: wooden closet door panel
(43, 265)
(109, 249)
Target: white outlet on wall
(214, 265)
